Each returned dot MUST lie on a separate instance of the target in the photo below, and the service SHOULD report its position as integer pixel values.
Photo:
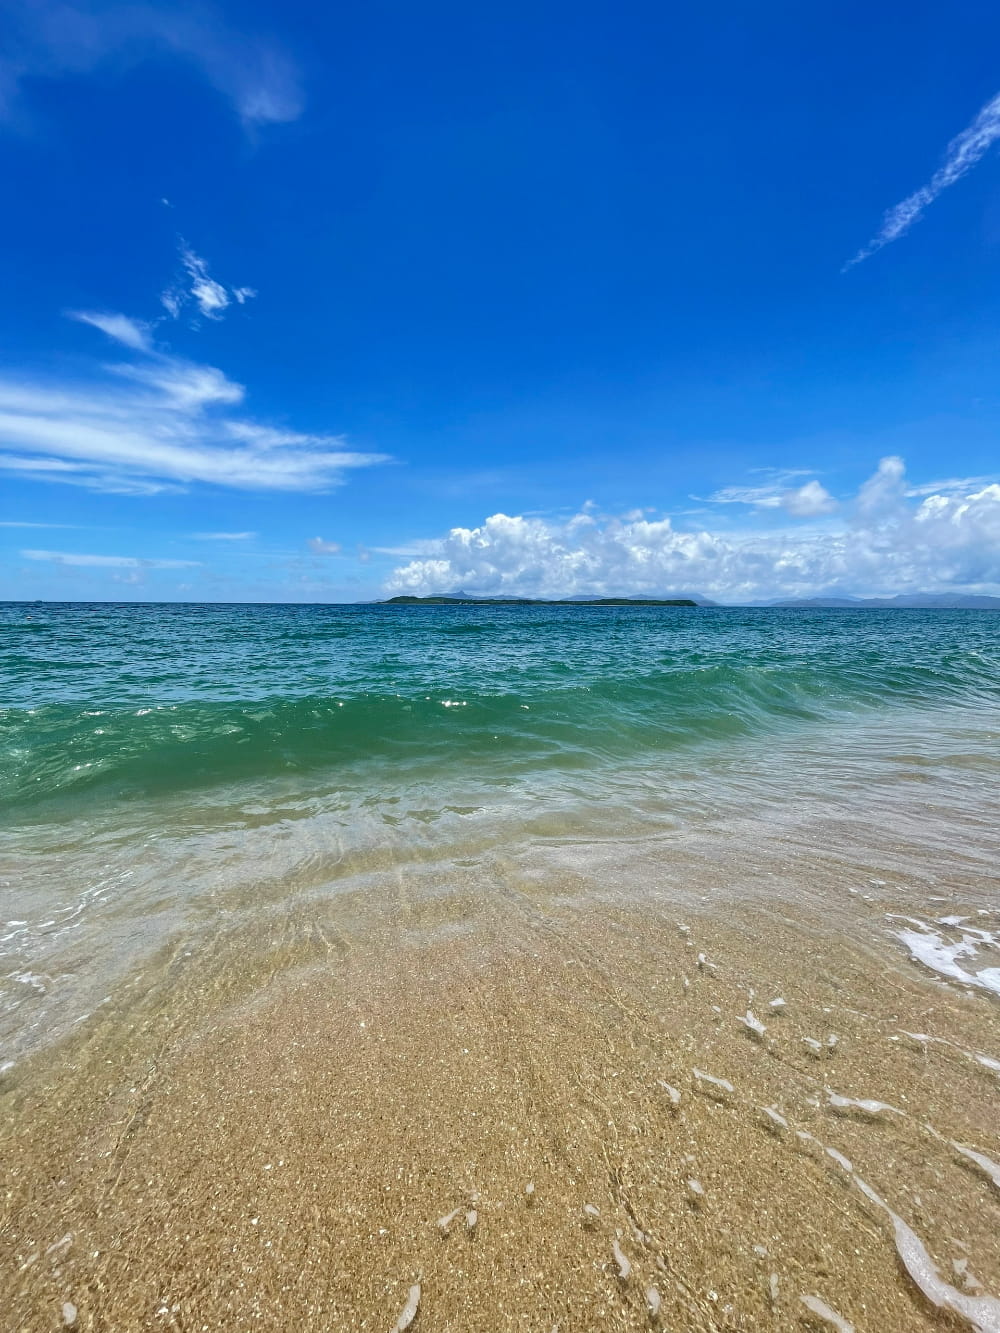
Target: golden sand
(264, 1132)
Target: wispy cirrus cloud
(50, 39)
(320, 547)
(809, 500)
(962, 154)
(132, 333)
(197, 285)
(223, 536)
(157, 424)
(18, 523)
(107, 561)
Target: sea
(170, 772)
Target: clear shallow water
(121, 702)
(167, 768)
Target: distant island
(537, 601)
(920, 601)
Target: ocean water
(166, 770)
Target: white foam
(829, 1316)
(409, 1310)
(922, 1039)
(444, 1223)
(841, 1160)
(624, 1265)
(985, 1165)
(715, 1087)
(981, 1313)
(776, 1122)
(929, 947)
(672, 1093)
(863, 1106)
(754, 1027)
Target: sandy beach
(542, 1106)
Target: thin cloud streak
(53, 38)
(964, 151)
(107, 561)
(223, 536)
(129, 332)
(807, 501)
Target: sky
(325, 303)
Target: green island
(533, 601)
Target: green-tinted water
(123, 701)
(167, 771)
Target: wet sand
(264, 1128)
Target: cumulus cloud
(50, 39)
(884, 543)
(319, 547)
(198, 286)
(961, 156)
(808, 501)
(159, 424)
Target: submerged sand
(265, 1129)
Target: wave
(570, 716)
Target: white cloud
(132, 332)
(806, 501)
(950, 486)
(223, 536)
(267, 437)
(320, 547)
(961, 156)
(198, 285)
(884, 490)
(159, 425)
(107, 561)
(883, 544)
(53, 38)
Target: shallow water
(550, 862)
(162, 764)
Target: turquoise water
(106, 702)
(171, 775)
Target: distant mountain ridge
(914, 601)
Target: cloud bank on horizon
(962, 154)
(889, 540)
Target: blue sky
(309, 302)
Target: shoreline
(266, 1134)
